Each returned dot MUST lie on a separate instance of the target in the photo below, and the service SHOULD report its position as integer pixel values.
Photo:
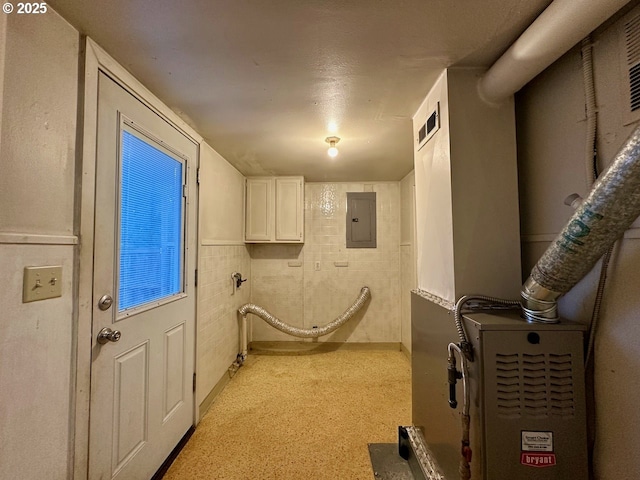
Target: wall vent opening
(430, 127)
(632, 44)
(629, 28)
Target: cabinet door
(259, 218)
(289, 210)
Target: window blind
(151, 224)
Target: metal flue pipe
(561, 26)
(603, 217)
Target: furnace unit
(527, 403)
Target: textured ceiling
(265, 82)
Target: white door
(142, 400)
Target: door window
(151, 232)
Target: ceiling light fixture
(333, 150)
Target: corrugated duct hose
(602, 218)
(275, 322)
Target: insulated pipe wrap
(610, 208)
(275, 322)
(562, 25)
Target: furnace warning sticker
(537, 449)
(537, 441)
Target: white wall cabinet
(275, 210)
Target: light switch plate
(40, 283)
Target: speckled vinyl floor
(307, 417)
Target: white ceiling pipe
(561, 26)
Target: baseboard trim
(405, 350)
(210, 398)
(174, 454)
(309, 348)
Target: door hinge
(194, 382)
(184, 191)
(196, 279)
(198, 176)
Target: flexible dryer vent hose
(610, 208)
(365, 294)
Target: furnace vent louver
(535, 386)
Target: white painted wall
(39, 75)
(484, 174)
(551, 145)
(466, 193)
(408, 279)
(39, 120)
(434, 221)
(222, 252)
(221, 199)
(303, 296)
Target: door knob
(108, 335)
(105, 302)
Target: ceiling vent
(630, 62)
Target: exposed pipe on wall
(602, 218)
(365, 294)
(482, 302)
(591, 110)
(561, 26)
(592, 172)
(464, 469)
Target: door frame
(93, 59)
